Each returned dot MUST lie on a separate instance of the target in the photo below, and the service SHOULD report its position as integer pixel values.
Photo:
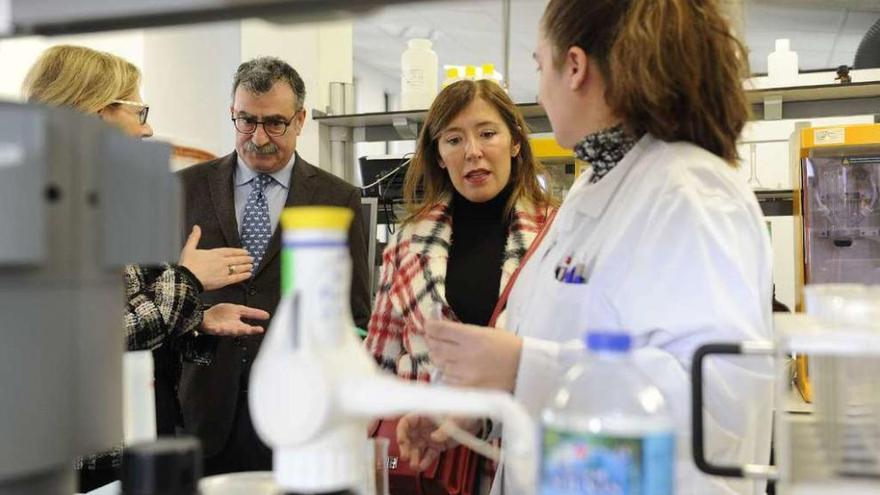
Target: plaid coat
(163, 301)
(413, 285)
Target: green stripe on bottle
(287, 271)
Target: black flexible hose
(868, 54)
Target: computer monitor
(384, 174)
(370, 210)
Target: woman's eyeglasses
(142, 113)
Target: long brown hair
(426, 184)
(672, 68)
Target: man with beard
(237, 200)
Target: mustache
(266, 149)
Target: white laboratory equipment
(833, 445)
(314, 388)
(71, 188)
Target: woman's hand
(224, 320)
(421, 441)
(473, 356)
(215, 268)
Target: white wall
(187, 81)
(370, 88)
(18, 54)
(188, 72)
(321, 53)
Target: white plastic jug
(418, 75)
(782, 65)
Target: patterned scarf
(604, 150)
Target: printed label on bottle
(414, 79)
(576, 463)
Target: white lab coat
(680, 256)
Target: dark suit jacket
(208, 393)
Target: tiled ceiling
(824, 33)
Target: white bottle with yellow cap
(314, 388)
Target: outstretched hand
(215, 268)
(224, 320)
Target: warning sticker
(833, 135)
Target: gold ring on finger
(231, 269)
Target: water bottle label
(577, 463)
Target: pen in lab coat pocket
(575, 275)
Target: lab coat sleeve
(542, 365)
(539, 373)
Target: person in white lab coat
(666, 242)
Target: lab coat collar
(590, 199)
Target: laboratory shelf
(794, 102)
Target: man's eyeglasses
(273, 127)
(142, 113)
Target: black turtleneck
(473, 274)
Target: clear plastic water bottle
(606, 430)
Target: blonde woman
(162, 300)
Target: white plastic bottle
(606, 430)
(782, 65)
(418, 75)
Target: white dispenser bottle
(418, 75)
(782, 65)
(314, 387)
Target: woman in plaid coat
(475, 206)
(472, 159)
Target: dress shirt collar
(244, 174)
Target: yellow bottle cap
(316, 218)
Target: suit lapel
(299, 193)
(223, 199)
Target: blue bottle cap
(608, 340)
